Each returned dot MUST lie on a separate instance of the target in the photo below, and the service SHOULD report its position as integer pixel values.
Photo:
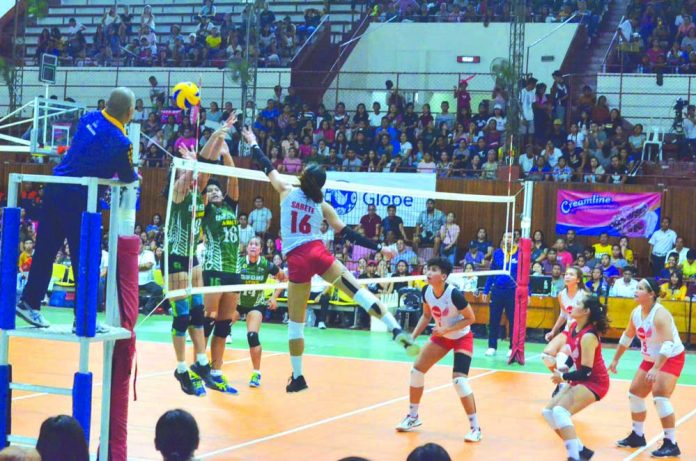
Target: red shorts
(673, 366)
(599, 389)
(307, 260)
(465, 343)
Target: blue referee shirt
(502, 282)
(100, 148)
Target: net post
(8, 269)
(523, 271)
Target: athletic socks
(473, 421)
(257, 371)
(671, 435)
(573, 447)
(638, 428)
(202, 359)
(181, 367)
(296, 361)
(390, 322)
(413, 410)
(215, 372)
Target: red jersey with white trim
(446, 308)
(574, 341)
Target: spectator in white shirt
(110, 17)
(146, 279)
(551, 153)
(75, 27)
(246, 232)
(527, 98)
(680, 250)
(260, 217)
(625, 287)
(499, 118)
(148, 19)
(376, 116)
(527, 160)
(661, 243)
(626, 29)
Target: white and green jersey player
(254, 270)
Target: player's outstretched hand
(248, 135)
(227, 125)
(556, 377)
(187, 154)
(548, 336)
(612, 367)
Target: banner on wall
(351, 205)
(635, 215)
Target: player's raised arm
(344, 231)
(264, 162)
(182, 185)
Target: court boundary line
(659, 436)
(329, 419)
(148, 375)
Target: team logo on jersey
(437, 312)
(342, 200)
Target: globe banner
(351, 205)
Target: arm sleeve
(124, 165)
(583, 374)
(353, 237)
(459, 300)
(261, 159)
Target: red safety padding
(524, 256)
(124, 351)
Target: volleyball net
(398, 202)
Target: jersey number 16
(304, 226)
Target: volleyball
(186, 95)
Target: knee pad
(562, 362)
(295, 330)
(222, 328)
(197, 301)
(548, 359)
(636, 404)
(180, 324)
(547, 413)
(461, 385)
(462, 363)
(561, 417)
(368, 301)
(181, 307)
(417, 378)
(208, 325)
(253, 339)
(663, 406)
(197, 317)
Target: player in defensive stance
(302, 211)
(453, 319)
(663, 362)
(589, 383)
(555, 355)
(255, 269)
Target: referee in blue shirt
(100, 148)
(502, 291)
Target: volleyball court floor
(358, 388)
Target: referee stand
(87, 277)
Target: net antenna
(245, 174)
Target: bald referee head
(121, 104)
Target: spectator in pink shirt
(306, 147)
(563, 255)
(187, 140)
(292, 162)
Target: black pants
(324, 311)
(657, 263)
(61, 218)
(155, 293)
(501, 300)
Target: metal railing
(310, 39)
(612, 45)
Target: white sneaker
(509, 353)
(490, 352)
(408, 424)
(322, 326)
(474, 436)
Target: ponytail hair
(598, 314)
(312, 180)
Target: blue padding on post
(5, 404)
(87, 286)
(9, 254)
(82, 401)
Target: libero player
(589, 383)
(663, 362)
(452, 331)
(302, 211)
(253, 270)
